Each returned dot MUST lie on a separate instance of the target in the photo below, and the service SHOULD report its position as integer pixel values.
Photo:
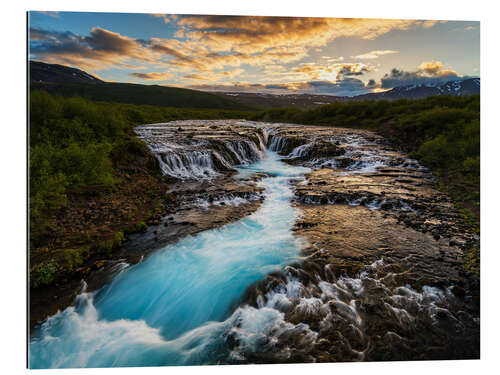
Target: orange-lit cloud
(428, 72)
(152, 76)
(435, 68)
(430, 67)
(374, 54)
(212, 42)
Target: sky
(281, 55)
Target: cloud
(428, 73)
(430, 67)
(165, 17)
(152, 76)
(349, 69)
(333, 59)
(219, 41)
(427, 24)
(213, 76)
(37, 34)
(320, 71)
(52, 14)
(219, 48)
(246, 33)
(345, 87)
(87, 52)
(374, 54)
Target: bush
(43, 274)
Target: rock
(324, 150)
(458, 291)
(386, 206)
(456, 241)
(344, 163)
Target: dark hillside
(140, 95)
(42, 72)
(68, 82)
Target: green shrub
(43, 274)
(140, 226)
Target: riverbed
(352, 255)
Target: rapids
(352, 255)
(179, 306)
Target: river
(352, 255)
(179, 306)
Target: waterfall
(245, 152)
(203, 160)
(277, 143)
(185, 165)
(262, 141)
(301, 151)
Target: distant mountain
(471, 86)
(66, 81)
(42, 72)
(266, 101)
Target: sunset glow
(258, 54)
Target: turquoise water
(180, 306)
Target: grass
(137, 94)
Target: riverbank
(441, 132)
(92, 184)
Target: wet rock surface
(381, 278)
(371, 289)
(202, 149)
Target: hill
(42, 72)
(69, 82)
